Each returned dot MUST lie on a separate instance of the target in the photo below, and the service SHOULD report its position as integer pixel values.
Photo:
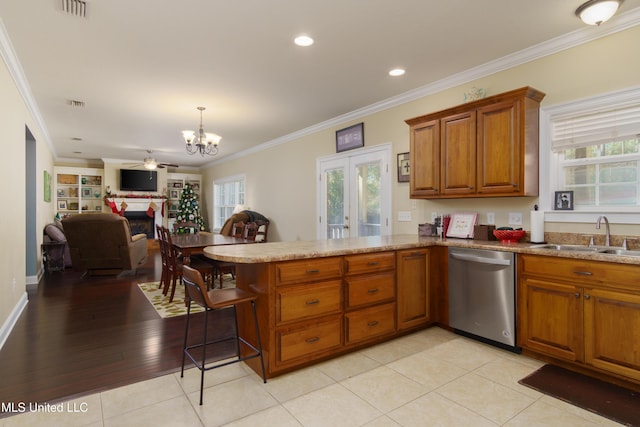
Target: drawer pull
(583, 273)
(312, 340)
(373, 263)
(313, 271)
(372, 324)
(313, 302)
(373, 291)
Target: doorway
(354, 194)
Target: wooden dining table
(189, 244)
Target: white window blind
(589, 128)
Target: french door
(354, 194)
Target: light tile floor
(429, 378)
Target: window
(594, 151)
(228, 193)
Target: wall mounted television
(138, 180)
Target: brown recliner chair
(101, 243)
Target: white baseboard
(8, 325)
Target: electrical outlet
(491, 218)
(434, 215)
(515, 218)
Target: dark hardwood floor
(83, 335)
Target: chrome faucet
(607, 239)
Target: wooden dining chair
(211, 301)
(251, 231)
(162, 244)
(175, 267)
(224, 267)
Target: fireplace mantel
(141, 204)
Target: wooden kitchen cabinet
(484, 148)
(612, 331)
(586, 312)
(413, 274)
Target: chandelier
(203, 143)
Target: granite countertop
(301, 249)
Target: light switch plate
(404, 216)
(515, 218)
(491, 218)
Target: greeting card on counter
(462, 224)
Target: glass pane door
(354, 197)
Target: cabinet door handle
(312, 340)
(313, 302)
(372, 324)
(577, 294)
(587, 296)
(373, 291)
(313, 271)
(583, 273)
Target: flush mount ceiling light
(595, 12)
(203, 143)
(303, 40)
(397, 72)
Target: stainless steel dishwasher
(482, 295)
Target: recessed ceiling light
(303, 40)
(397, 72)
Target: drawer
(310, 270)
(306, 301)
(582, 271)
(370, 322)
(369, 263)
(370, 289)
(308, 340)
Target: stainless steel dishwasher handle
(482, 260)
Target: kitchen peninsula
(319, 299)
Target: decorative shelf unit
(78, 190)
(175, 184)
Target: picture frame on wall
(47, 186)
(404, 167)
(563, 201)
(350, 138)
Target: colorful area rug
(161, 302)
(605, 399)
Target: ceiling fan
(150, 163)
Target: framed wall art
(47, 186)
(563, 201)
(350, 138)
(403, 167)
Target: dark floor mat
(605, 399)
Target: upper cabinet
(484, 148)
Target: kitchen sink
(585, 248)
(576, 248)
(624, 252)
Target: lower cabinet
(580, 311)
(413, 288)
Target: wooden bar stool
(216, 300)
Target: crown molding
(567, 41)
(17, 73)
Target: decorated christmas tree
(188, 211)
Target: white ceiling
(143, 66)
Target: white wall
(281, 181)
(14, 116)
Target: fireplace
(137, 208)
(141, 223)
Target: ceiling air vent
(75, 103)
(75, 7)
